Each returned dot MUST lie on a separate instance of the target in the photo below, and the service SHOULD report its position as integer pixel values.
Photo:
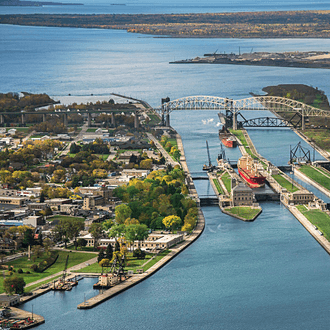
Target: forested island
(279, 24)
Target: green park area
(218, 186)
(239, 134)
(282, 181)
(23, 267)
(316, 175)
(320, 137)
(132, 263)
(64, 217)
(246, 212)
(226, 179)
(318, 218)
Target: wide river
(269, 274)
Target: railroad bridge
(258, 103)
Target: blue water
(269, 274)
(158, 6)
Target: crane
(209, 167)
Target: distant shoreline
(275, 24)
(311, 59)
(19, 3)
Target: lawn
(154, 119)
(91, 130)
(239, 134)
(318, 218)
(315, 175)
(25, 265)
(285, 183)
(64, 217)
(132, 263)
(173, 142)
(103, 157)
(245, 212)
(226, 179)
(218, 186)
(320, 136)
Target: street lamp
(32, 312)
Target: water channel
(269, 274)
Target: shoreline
(137, 278)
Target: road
(166, 155)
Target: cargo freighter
(227, 138)
(247, 169)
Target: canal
(269, 274)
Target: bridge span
(258, 103)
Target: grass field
(132, 263)
(320, 136)
(315, 175)
(226, 179)
(239, 134)
(285, 183)
(103, 157)
(218, 186)
(25, 265)
(154, 119)
(245, 212)
(64, 217)
(318, 218)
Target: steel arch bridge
(258, 103)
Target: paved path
(76, 139)
(167, 157)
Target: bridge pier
(43, 117)
(234, 121)
(2, 120)
(167, 124)
(23, 118)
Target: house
(7, 245)
(6, 300)
(34, 221)
(242, 195)
(301, 196)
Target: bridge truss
(259, 103)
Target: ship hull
(228, 143)
(252, 181)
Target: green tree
(122, 212)
(96, 231)
(14, 284)
(81, 242)
(109, 252)
(28, 238)
(100, 256)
